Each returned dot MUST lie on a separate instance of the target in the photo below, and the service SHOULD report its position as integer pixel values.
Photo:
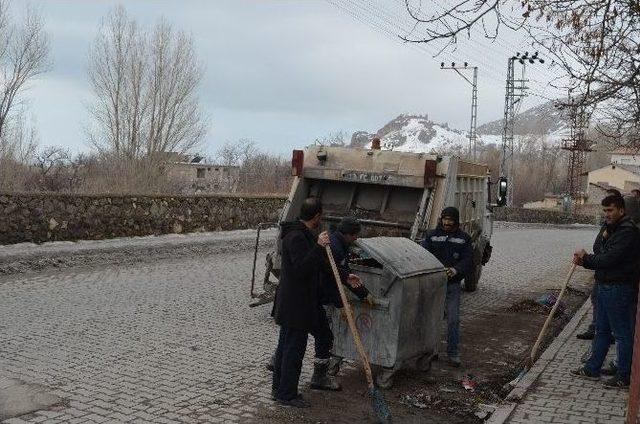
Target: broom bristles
(380, 406)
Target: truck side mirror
(502, 191)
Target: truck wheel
(471, 282)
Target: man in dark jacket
(615, 261)
(590, 333)
(451, 246)
(296, 303)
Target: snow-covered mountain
(412, 133)
(416, 133)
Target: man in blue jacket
(345, 235)
(615, 259)
(451, 246)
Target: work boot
(334, 366)
(320, 380)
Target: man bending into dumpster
(451, 246)
(615, 261)
(296, 303)
(344, 236)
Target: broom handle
(350, 321)
(543, 332)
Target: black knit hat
(451, 212)
(349, 225)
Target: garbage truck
(392, 193)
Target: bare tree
(596, 42)
(24, 50)
(236, 153)
(336, 138)
(145, 86)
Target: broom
(528, 363)
(378, 403)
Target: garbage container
(403, 328)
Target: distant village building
(624, 156)
(555, 202)
(623, 177)
(193, 176)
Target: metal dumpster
(403, 329)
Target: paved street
(173, 340)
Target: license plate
(365, 177)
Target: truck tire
(471, 282)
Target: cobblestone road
(174, 340)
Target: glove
(451, 272)
(369, 301)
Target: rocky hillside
(544, 119)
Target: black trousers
(322, 335)
(292, 345)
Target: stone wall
(543, 216)
(47, 217)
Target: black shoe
(454, 361)
(297, 402)
(616, 383)
(612, 370)
(583, 373)
(587, 335)
(271, 364)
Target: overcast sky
(281, 72)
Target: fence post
(634, 386)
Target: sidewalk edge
(504, 411)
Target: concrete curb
(504, 411)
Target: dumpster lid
(400, 255)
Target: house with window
(195, 176)
(623, 174)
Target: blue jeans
(594, 306)
(615, 303)
(292, 345)
(452, 310)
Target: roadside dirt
(494, 345)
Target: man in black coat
(296, 303)
(451, 246)
(615, 262)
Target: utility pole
(515, 91)
(578, 146)
(473, 148)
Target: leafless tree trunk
(145, 87)
(24, 50)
